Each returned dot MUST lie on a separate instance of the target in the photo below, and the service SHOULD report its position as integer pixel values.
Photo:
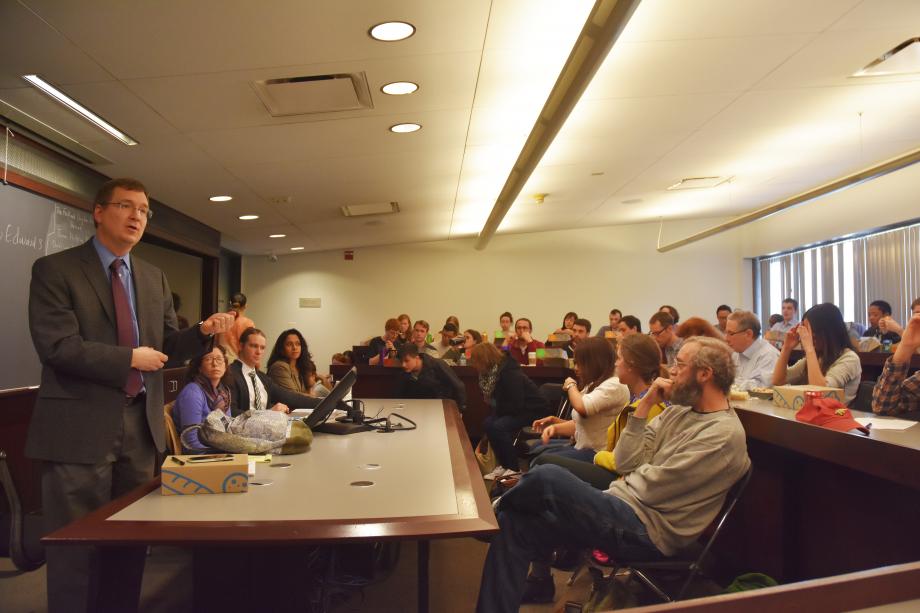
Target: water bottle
(462, 360)
(886, 345)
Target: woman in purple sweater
(205, 391)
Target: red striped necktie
(127, 337)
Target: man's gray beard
(687, 394)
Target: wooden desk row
(872, 362)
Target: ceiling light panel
(527, 44)
(399, 88)
(902, 59)
(60, 97)
(374, 208)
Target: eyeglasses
(679, 365)
(727, 333)
(215, 360)
(124, 207)
(655, 334)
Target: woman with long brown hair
(597, 397)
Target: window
(850, 273)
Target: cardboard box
(793, 396)
(183, 475)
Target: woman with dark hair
(567, 322)
(291, 366)
(596, 398)
(515, 402)
(470, 338)
(405, 328)
(206, 390)
(828, 360)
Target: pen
(178, 461)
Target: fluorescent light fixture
(277, 235)
(392, 31)
(296, 248)
(405, 128)
(373, 208)
(79, 109)
(220, 198)
(248, 217)
(903, 59)
(699, 183)
(399, 88)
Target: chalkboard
(30, 226)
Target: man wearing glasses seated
(677, 470)
(661, 327)
(754, 357)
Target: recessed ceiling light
(248, 217)
(220, 198)
(699, 182)
(405, 128)
(277, 235)
(903, 59)
(296, 248)
(392, 31)
(399, 88)
(78, 108)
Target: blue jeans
(501, 431)
(548, 508)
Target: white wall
(540, 276)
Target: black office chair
(863, 400)
(527, 438)
(689, 561)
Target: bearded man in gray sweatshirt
(677, 469)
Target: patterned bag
(254, 432)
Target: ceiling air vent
(328, 93)
(374, 208)
(699, 182)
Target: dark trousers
(501, 431)
(577, 463)
(548, 508)
(70, 491)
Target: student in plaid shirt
(893, 393)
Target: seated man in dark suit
(252, 389)
(428, 377)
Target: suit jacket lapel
(92, 268)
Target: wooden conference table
(426, 485)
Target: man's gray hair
(746, 321)
(716, 355)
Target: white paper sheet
(886, 423)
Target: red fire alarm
(349, 254)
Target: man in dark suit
(252, 389)
(103, 325)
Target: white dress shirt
(754, 365)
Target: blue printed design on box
(182, 485)
(235, 482)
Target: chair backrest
(731, 499)
(172, 436)
(863, 400)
